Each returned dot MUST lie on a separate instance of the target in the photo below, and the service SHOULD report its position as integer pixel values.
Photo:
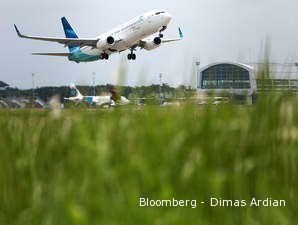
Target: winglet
(180, 33)
(17, 30)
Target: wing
(173, 40)
(142, 43)
(64, 41)
(52, 54)
(170, 40)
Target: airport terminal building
(225, 77)
(242, 80)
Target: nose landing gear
(162, 30)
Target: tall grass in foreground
(91, 167)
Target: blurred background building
(244, 81)
(3, 85)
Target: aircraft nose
(168, 16)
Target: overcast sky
(215, 30)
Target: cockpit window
(158, 13)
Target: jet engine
(152, 43)
(105, 42)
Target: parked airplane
(108, 100)
(145, 31)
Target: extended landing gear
(131, 56)
(162, 30)
(105, 56)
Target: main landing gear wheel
(105, 56)
(131, 56)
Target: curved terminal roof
(244, 66)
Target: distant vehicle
(213, 101)
(171, 104)
(145, 31)
(108, 100)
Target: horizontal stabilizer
(52, 54)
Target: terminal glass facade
(225, 76)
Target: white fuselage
(131, 33)
(106, 100)
(99, 100)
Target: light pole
(33, 87)
(93, 81)
(198, 63)
(160, 89)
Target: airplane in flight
(108, 100)
(145, 32)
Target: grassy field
(91, 167)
